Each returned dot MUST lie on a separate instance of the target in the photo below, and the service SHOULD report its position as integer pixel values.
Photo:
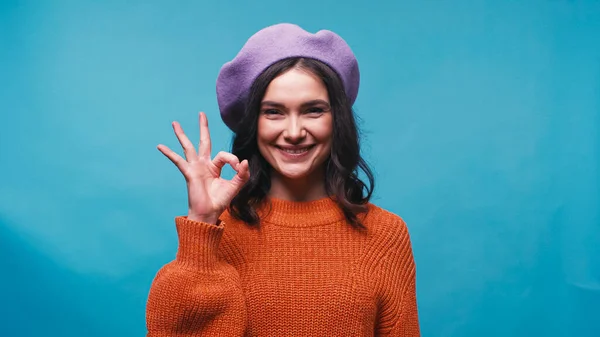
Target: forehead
(296, 86)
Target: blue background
(480, 119)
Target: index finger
(204, 148)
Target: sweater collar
(300, 213)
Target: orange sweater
(303, 272)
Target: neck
(291, 213)
(311, 187)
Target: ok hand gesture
(208, 193)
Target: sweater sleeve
(197, 294)
(397, 278)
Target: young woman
(291, 246)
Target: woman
(291, 245)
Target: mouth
(295, 151)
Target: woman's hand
(208, 193)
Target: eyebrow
(305, 104)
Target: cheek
(263, 131)
(323, 131)
(266, 134)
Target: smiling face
(295, 125)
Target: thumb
(242, 176)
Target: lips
(295, 151)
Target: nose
(294, 132)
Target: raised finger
(188, 147)
(204, 149)
(174, 157)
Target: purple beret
(275, 43)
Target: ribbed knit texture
(303, 272)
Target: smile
(295, 152)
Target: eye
(315, 110)
(271, 112)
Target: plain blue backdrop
(480, 120)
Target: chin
(293, 174)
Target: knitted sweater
(303, 272)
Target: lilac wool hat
(275, 43)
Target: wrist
(209, 219)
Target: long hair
(341, 168)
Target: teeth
(298, 151)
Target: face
(295, 125)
